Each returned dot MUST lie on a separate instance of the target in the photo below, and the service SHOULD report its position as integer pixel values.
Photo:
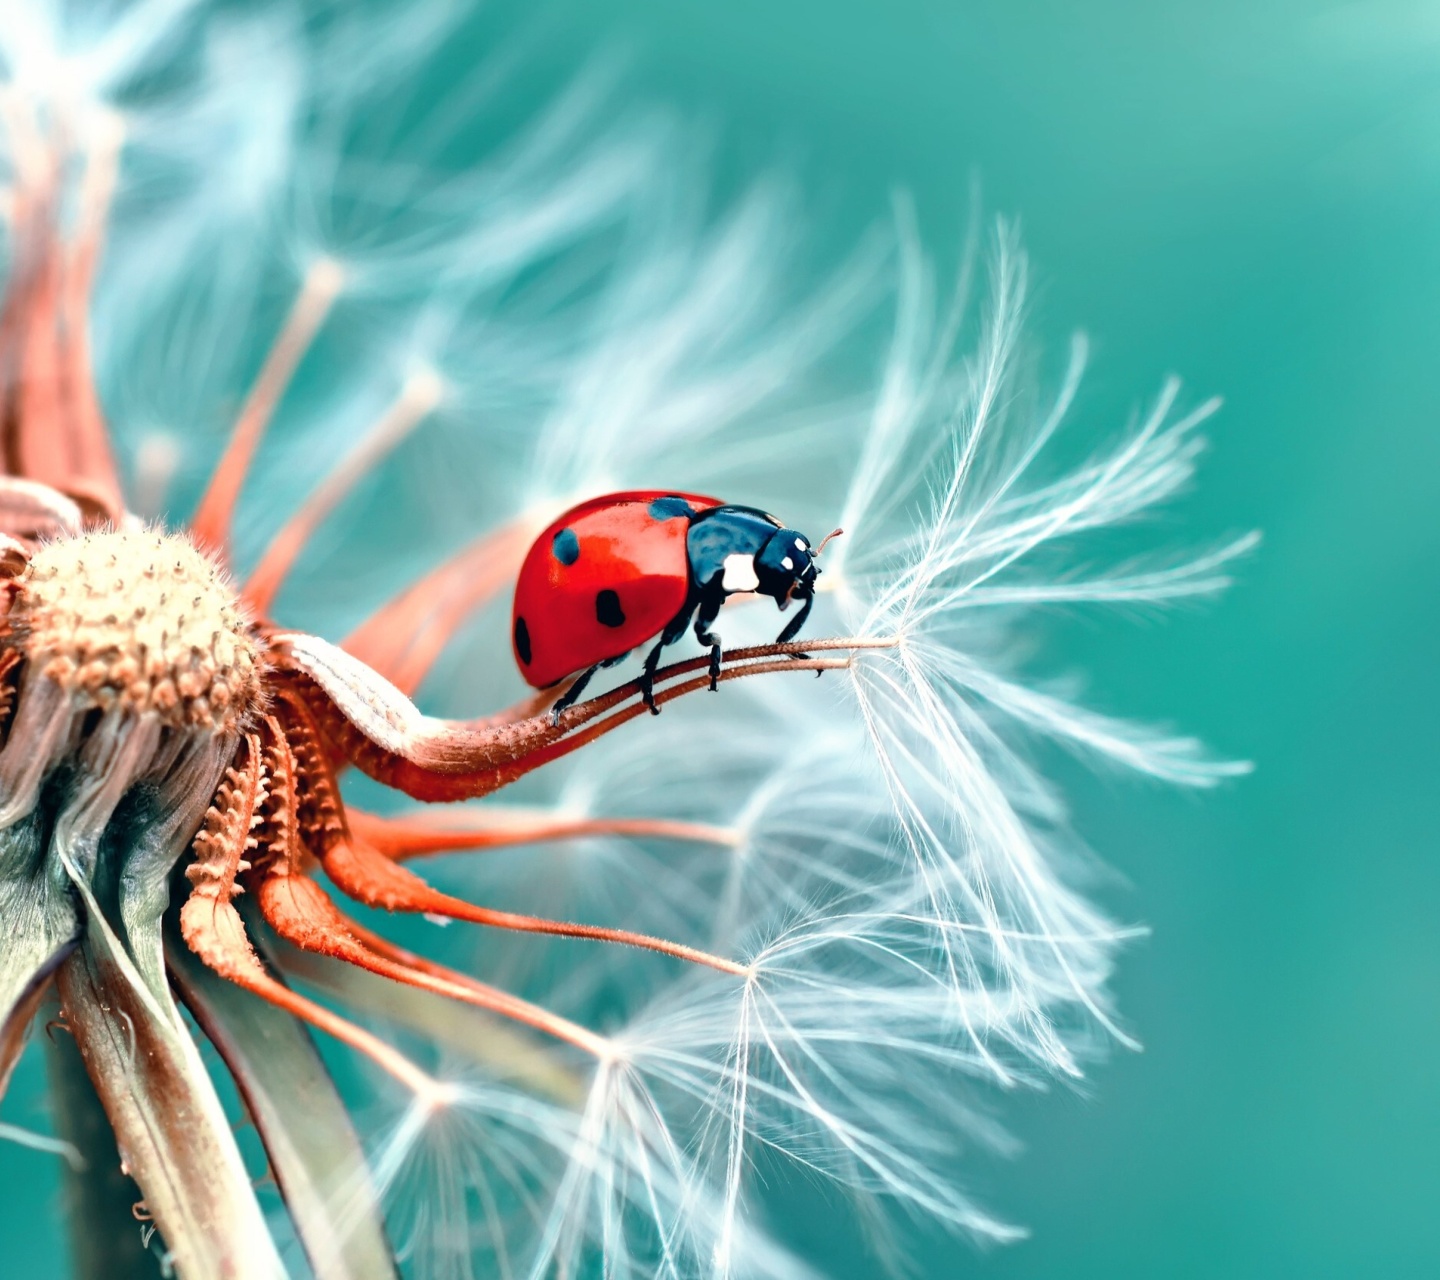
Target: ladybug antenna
(825, 541)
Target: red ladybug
(619, 570)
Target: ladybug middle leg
(709, 611)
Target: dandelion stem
(484, 996)
(212, 520)
(754, 660)
(313, 1150)
(104, 1242)
(378, 729)
(302, 913)
(368, 876)
(736, 672)
(94, 475)
(419, 396)
(56, 433)
(400, 838)
(389, 1060)
(404, 637)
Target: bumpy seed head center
(140, 620)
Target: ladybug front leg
(792, 628)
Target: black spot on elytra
(566, 546)
(522, 640)
(607, 609)
(669, 508)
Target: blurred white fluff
(901, 881)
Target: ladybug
(619, 570)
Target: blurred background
(1248, 195)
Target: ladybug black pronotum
(616, 571)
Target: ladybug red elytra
(618, 570)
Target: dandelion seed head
(141, 620)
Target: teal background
(1244, 194)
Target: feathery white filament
(901, 882)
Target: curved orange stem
(417, 398)
(410, 837)
(404, 637)
(211, 522)
(368, 876)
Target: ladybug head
(785, 567)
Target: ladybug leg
(647, 677)
(572, 693)
(673, 631)
(792, 628)
(709, 610)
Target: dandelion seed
(808, 922)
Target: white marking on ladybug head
(788, 563)
(739, 573)
(801, 545)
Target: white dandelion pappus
(905, 917)
(876, 851)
